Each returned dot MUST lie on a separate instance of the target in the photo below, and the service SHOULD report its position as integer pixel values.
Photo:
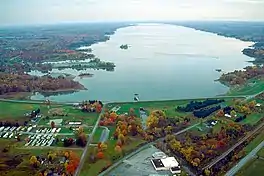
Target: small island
(124, 46)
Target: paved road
(89, 140)
(142, 148)
(212, 163)
(105, 134)
(59, 134)
(50, 147)
(242, 162)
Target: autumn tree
(207, 172)
(51, 156)
(81, 139)
(113, 115)
(252, 104)
(131, 112)
(66, 155)
(80, 130)
(245, 110)
(220, 113)
(121, 137)
(233, 113)
(168, 129)
(100, 155)
(52, 124)
(118, 149)
(103, 146)
(34, 161)
(73, 163)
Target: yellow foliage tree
(103, 146)
(152, 121)
(252, 104)
(33, 160)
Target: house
(258, 105)
(227, 115)
(75, 123)
(164, 163)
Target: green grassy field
(253, 167)
(97, 135)
(252, 87)
(252, 118)
(168, 106)
(254, 143)
(16, 111)
(261, 153)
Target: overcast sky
(19, 12)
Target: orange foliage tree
(73, 163)
(100, 155)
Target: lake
(163, 62)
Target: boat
(124, 46)
(86, 75)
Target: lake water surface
(163, 62)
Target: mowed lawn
(253, 86)
(168, 106)
(253, 118)
(16, 111)
(261, 153)
(253, 167)
(255, 142)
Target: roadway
(247, 158)
(212, 163)
(89, 141)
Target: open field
(261, 153)
(252, 87)
(253, 118)
(254, 143)
(16, 111)
(253, 167)
(97, 135)
(168, 106)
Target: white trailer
(50, 142)
(18, 128)
(7, 128)
(5, 136)
(53, 130)
(11, 135)
(2, 128)
(13, 129)
(58, 130)
(29, 129)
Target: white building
(258, 105)
(169, 163)
(159, 155)
(227, 115)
